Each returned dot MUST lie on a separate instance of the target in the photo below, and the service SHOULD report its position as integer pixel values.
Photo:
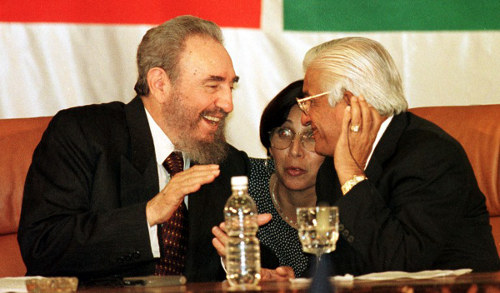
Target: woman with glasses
(286, 181)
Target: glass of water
(318, 229)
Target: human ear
(159, 83)
(347, 97)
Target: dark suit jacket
(85, 197)
(420, 208)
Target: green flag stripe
(391, 15)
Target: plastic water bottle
(242, 250)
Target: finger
(219, 234)
(222, 226)
(345, 122)
(203, 167)
(263, 219)
(285, 272)
(265, 274)
(220, 240)
(279, 274)
(366, 115)
(221, 249)
(196, 171)
(194, 175)
(185, 184)
(347, 97)
(355, 112)
(377, 118)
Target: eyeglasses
(282, 137)
(305, 103)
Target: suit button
(136, 254)
(350, 239)
(341, 227)
(345, 233)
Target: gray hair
(162, 46)
(362, 66)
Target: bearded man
(98, 200)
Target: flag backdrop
(56, 54)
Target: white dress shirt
(380, 132)
(163, 147)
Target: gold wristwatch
(349, 184)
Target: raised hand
(360, 125)
(161, 207)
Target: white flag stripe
(48, 67)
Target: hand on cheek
(360, 125)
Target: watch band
(349, 184)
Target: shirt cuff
(153, 239)
(223, 264)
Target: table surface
(470, 283)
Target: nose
(225, 101)
(296, 149)
(305, 119)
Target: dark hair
(276, 112)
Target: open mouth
(212, 119)
(294, 171)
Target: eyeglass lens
(281, 138)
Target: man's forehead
(205, 58)
(311, 82)
(202, 46)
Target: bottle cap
(239, 180)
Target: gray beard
(177, 114)
(203, 152)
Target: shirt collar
(162, 144)
(382, 129)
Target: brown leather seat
(18, 139)
(477, 128)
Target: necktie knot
(174, 163)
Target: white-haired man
(406, 192)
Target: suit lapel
(138, 174)
(328, 190)
(386, 147)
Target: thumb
(263, 219)
(286, 272)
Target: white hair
(362, 66)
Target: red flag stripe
(226, 13)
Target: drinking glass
(318, 229)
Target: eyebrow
(220, 78)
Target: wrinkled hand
(279, 274)
(161, 207)
(220, 240)
(354, 147)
